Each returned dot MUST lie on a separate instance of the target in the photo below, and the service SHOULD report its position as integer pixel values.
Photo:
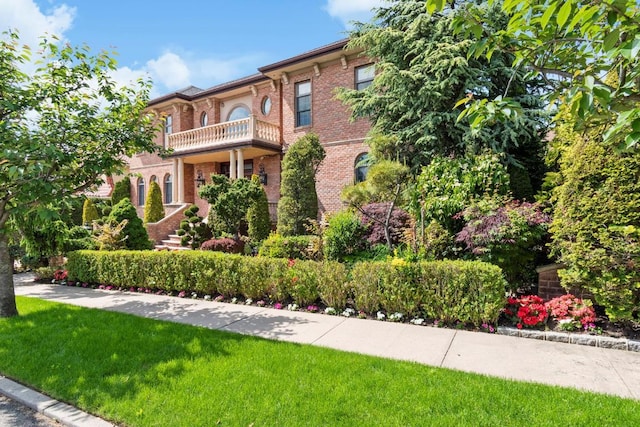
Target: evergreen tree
(422, 70)
(153, 209)
(136, 235)
(89, 212)
(121, 190)
(299, 201)
(258, 218)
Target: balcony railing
(221, 134)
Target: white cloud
(352, 10)
(31, 22)
(169, 70)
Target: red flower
(291, 262)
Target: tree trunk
(7, 294)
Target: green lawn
(142, 372)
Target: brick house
(243, 127)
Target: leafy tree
(422, 71)
(153, 209)
(89, 212)
(385, 182)
(61, 128)
(572, 45)
(230, 200)
(121, 190)
(299, 201)
(134, 232)
(344, 235)
(193, 229)
(258, 218)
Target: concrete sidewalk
(602, 370)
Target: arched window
(168, 189)
(361, 167)
(204, 119)
(141, 192)
(153, 179)
(239, 112)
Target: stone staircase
(172, 243)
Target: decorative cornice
(285, 78)
(343, 60)
(254, 91)
(316, 69)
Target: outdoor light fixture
(200, 179)
(262, 175)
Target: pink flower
(277, 306)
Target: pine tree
(258, 217)
(121, 190)
(89, 212)
(299, 201)
(136, 235)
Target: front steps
(172, 244)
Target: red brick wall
(549, 286)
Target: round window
(266, 105)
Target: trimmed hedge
(451, 291)
(294, 247)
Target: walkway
(602, 370)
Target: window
(153, 179)
(361, 167)
(364, 76)
(204, 119)
(303, 103)
(238, 113)
(168, 129)
(168, 189)
(141, 192)
(266, 106)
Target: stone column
(174, 186)
(240, 163)
(232, 164)
(180, 180)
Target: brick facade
(326, 68)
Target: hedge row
(470, 292)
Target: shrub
(225, 244)
(343, 235)
(136, 235)
(451, 291)
(294, 247)
(596, 225)
(299, 201)
(79, 238)
(258, 219)
(571, 312)
(373, 218)
(193, 230)
(509, 235)
(527, 311)
(122, 190)
(89, 212)
(153, 209)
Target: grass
(142, 372)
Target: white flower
(330, 310)
(292, 307)
(249, 301)
(207, 297)
(234, 300)
(348, 312)
(395, 317)
(380, 315)
(417, 321)
(194, 295)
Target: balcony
(222, 135)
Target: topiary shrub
(299, 201)
(193, 230)
(293, 247)
(136, 235)
(373, 219)
(89, 212)
(258, 219)
(79, 238)
(122, 190)
(344, 235)
(225, 244)
(153, 209)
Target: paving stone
(536, 335)
(558, 337)
(633, 345)
(615, 343)
(504, 330)
(589, 340)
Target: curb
(54, 409)
(569, 338)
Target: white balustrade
(224, 133)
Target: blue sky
(179, 43)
